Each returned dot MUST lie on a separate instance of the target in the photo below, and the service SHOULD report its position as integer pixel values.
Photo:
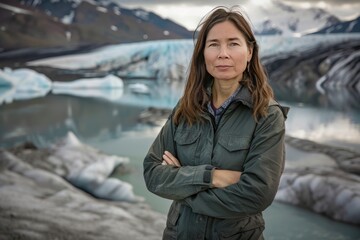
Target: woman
(220, 155)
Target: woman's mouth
(223, 67)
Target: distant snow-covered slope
(281, 19)
(343, 27)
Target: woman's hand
(223, 178)
(169, 159)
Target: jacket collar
(244, 96)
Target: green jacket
(237, 143)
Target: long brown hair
(193, 103)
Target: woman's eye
(213, 44)
(234, 44)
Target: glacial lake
(114, 127)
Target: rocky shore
(39, 200)
(324, 179)
(59, 192)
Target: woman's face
(226, 52)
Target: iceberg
(107, 94)
(25, 83)
(108, 82)
(109, 88)
(139, 88)
(22, 84)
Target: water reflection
(324, 125)
(43, 120)
(320, 118)
(343, 99)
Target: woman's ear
(250, 51)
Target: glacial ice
(22, 84)
(165, 60)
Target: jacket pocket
(187, 146)
(234, 143)
(171, 230)
(250, 228)
(231, 151)
(253, 234)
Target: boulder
(329, 186)
(39, 197)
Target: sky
(188, 13)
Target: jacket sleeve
(168, 181)
(259, 180)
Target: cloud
(188, 13)
(337, 2)
(343, 9)
(189, 2)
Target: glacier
(153, 59)
(162, 63)
(164, 55)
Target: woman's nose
(223, 52)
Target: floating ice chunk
(6, 80)
(108, 94)
(31, 81)
(109, 88)
(22, 84)
(139, 88)
(24, 80)
(108, 82)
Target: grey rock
(39, 204)
(330, 187)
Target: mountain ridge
(78, 23)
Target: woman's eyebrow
(212, 40)
(228, 39)
(234, 39)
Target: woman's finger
(170, 159)
(167, 160)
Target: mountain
(36, 23)
(343, 27)
(74, 24)
(281, 19)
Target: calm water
(114, 128)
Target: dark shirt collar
(217, 113)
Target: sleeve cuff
(203, 176)
(207, 177)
